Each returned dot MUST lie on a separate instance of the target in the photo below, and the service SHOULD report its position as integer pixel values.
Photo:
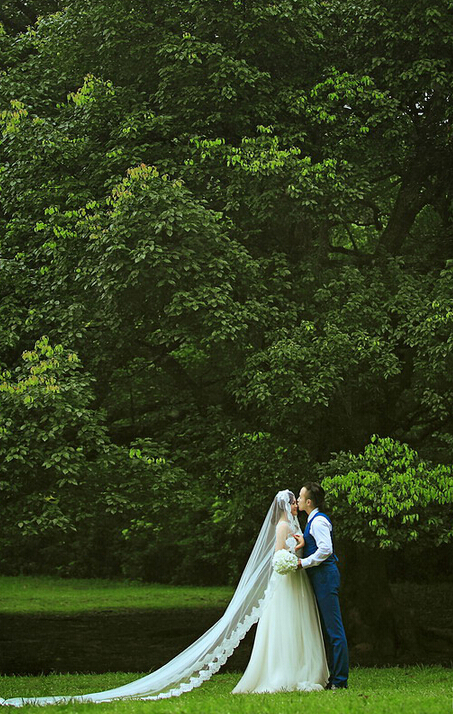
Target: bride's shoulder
(283, 526)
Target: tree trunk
(412, 196)
(378, 631)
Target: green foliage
(238, 215)
(16, 16)
(50, 439)
(388, 496)
(256, 465)
(164, 265)
(67, 475)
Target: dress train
(288, 653)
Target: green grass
(25, 594)
(411, 690)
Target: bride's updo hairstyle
(282, 504)
(316, 494)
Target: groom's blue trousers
(325, 580)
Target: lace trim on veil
(211, 664)
(202, 671)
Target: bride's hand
(300, 540)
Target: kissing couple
(300, 643)
(289, 652)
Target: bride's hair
(282, 504)
(315, 493)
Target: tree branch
(376, 212)
(363, 257)
(351, 238)
(414, 193)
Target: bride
(288, 653)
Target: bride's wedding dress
(288, 653)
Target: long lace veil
(203, 658)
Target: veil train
(205, 656)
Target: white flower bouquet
(284, 562)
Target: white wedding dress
(288, 653)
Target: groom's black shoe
(333, 687)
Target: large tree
(239, 215)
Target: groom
(320, 563)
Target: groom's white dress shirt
(321, 531)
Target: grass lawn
(411, 690)
(55, 595)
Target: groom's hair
(315, 493)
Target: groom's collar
(314, 511)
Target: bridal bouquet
(284, 562)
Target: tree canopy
(237, 215)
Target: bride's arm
(282, 534)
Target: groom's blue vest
(310, 546)
(325, 580)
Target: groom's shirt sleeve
(321, 532)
